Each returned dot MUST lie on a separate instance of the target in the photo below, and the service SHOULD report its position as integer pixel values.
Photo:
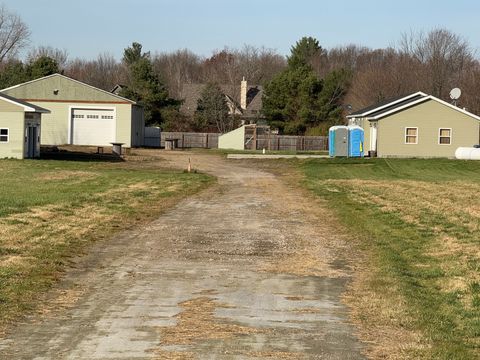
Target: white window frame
(450, 137)
(416, 136)
(8, 136)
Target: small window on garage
(411, 135)
(3, 135)
(445, 136)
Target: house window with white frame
(445, 136)
(411, 135)
(4, 135)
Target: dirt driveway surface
(245, 270)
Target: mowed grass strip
(51, 210)
(418, 291)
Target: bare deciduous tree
(383, 74)
(178, 68)
(104, 72)
(259, 65)
(14, 34)
(470, 85)
(59, 55)
(443, 54)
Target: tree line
(304, 92)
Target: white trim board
(8, 135)
(386, 105)
(440, 136)
(430, 97)
(406, 135)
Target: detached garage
(82, 114)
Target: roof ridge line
(418, 101)
(383, 106)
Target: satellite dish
(455, 94)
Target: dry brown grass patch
(67, 174)
(379, 318)
(61, 299)
(197, 322)
(174, 355)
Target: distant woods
(304, 91)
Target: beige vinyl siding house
(20, 124)
(418, 125)
(82, 114)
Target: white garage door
(93, 126)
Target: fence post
(206, 143)
(183, 141)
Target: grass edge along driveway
(416, 222)
(52, 210)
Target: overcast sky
(87, 27)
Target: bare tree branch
(59, 55)
(14, 34)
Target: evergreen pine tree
(296, 100)
(144, 86)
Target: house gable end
(59, 88)
(420, 102)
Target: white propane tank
(467, 153)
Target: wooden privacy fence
(191, 139)
(289, 143)
(268, 142)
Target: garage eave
(27, 107)
(37, 109)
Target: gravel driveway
(248, 269)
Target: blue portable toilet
(356, 137)
(338, 141)
(331, 141)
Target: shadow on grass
(54, 153)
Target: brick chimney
(243, 94)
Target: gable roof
(60, 76)
(190, 95)
(387, 104)
(256, 103)
(380, 111)
(383, 114)
(27, 107)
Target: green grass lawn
(51, 210)
(418, 227)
